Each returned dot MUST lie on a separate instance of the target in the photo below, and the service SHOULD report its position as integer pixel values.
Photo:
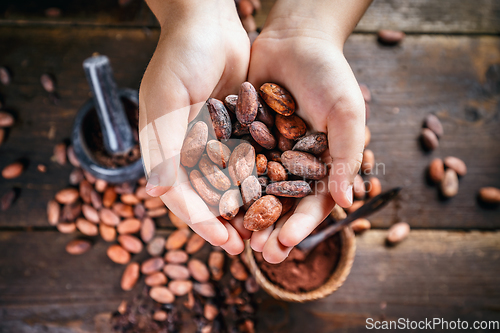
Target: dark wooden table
(449, 267)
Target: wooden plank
(432, 274)
(445, 75)
(423, 16)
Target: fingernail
(153, 181)
(348, 193)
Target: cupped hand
(310, 64)
(203, 52)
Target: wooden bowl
(340, 273)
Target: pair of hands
(204, 52)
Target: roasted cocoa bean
(368, 136)
(198, 270)
(177, 222)
(262, 213)
(47, 82)
(204, 289)
(291, 127)
(240, 129)
(194, 144)
(87, 228)
(213, 174)
(436, 170)
(148, 229)
(209, 195)
(180, 287)
(251, 190)
(303, 165)
(130, 276)
(230, 102)
(90, 213)
(276, 172)
(456, 164)
(338, 213)
(284, 144)
(429, 139)
(123, 210)
(130, 243)
(12, 170)
(216, 264)
(108, 233)
(398, 232)
(229, 204)
(162, 295)
(78, 246)
(277, 98)
(118, 254)
(152, 265)
(265, 114)
(75, 177)
(218, 153)
(390, 37)
(316, 143)
(129, 198)
(107, 216)
(375, 188)
(177, 239)
(490, 195)
(155, 279)
(360, 225)
(85, 191)
(109, 197)
(261, 164)
(71, 212)
(66, 227)
(359, 188)
(238, 270)
(449, 184)
(368, 161)
(432, 122)
(355, 206)
(129, 226)
(176, 272)
(287, 204)
(261, 134)
(241, 163)
(194, 244)
(156, 246)
(60, 153)
(6, 119)
(53, 212)
(248, 104)
(290, 188)
(177, 256)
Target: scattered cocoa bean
(204, 289)
(90, 213)
(141, 193)
(107, 216)
(176, 272)
(432, 122)
(177, 222)
(96, 200)
(155, 279)
(359, 188)
(87, 228)
(303, 165)
(216, 264)
(148, 229)
(251, 190)
(157, 212)
(276, 171)
(261, 134)
(338, 213)
(85, 190)
(194, 144)
(78, 246)
(429, 139)
(66, 227)
(368, 161)
(162, 295)
(213, 174)
(152, 203)
(355, 206)
(5, 76)
(60, 153)
(291, 127)
(67, 196)
(436, 170)
(180, 287)
(198, 270)
(53, 212)
(152, 265)
(248, 104)
(194, 244)
(375, 188)
(218, 153)
(177, 256)
(220, 119)
(156, 246)
(40, 167)
(210, 196)
(47, 82)
(72, 157)
(390, 37)
(13, 170)
(262, 213)
(75, 177)
(108, 233)
(456, 164)
(316, 143)
(129, 226)
(490, 195)
(177, 239)
(6, 119)
(160, 315)
(241, 163)
(130, 276)
(238, 270)
(277, 98)
(289, 188)
(210, 311)
(130, 199)
(398, 232)
(122, 210)
(90, 178)
(360, 225)
(139, 211)
(71, 212)
(449, 184)
(130, 243)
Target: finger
(234, 244)
(274, 252)
(259, 238)
(237, 223)
(308, 214)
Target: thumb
(346, 135)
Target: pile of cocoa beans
(234, 161)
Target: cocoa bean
(96, 200)
(66, 227)
(449, 184)
(359, 188)
(177, 256)
(360, 225)
(157, 212)
(5, 76)
(152, 265)
(90, 213)
(139, 211)
(216, 264)
(75, 177)
(338, 212)
(365, 91)
(194, 144)
(251, 190)
(429, 139)
(316, 143)
(130, 199)
(277, 98)
(198, 270)
(390, 37)
(245, 8)
(162, 295)
(456, 164)
(53, 212)
(47, 82)
(287, 204)
(261, 164)
(155, 279)
(70, 152)
(273, 155)
(122, 210)
(90, 178)
(213, 174)
(262, 213)
(6, 119)
(12, 170)
(180, 287)
(238, 270)
(60, 153)
(156, 246)
(141, 193)
(160, 315)
(220, 119)
(210, 311)
(78, 246)
(263, 181)
(261, 134)
(40, 167)
(148, 229)
(355, 206)
(71, 212)
(436, 170)
(177, 222)
(230, 102)
(124, 188)
(490, 195)
(209, 195)
(176, 272)
(368, 161)
(107, 216)
(229, 204)
(368, 136)
(108, 233)
(194, 244)
(177, 239)
(290, 188)
(248, 104)
(398, 232)
(204, 289)
(284, 144)
(375, 188)
(130, 276)
(153, 203)
(251, 285)
(432, 122)
(218, 153)
(240, 129)
(130, 243)
(85, 189)
(303, 165)
(241, 163)
(291, 127)
(276, 172)
(129, 226)
(67, 196)
(87, 228)
(265, 114)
